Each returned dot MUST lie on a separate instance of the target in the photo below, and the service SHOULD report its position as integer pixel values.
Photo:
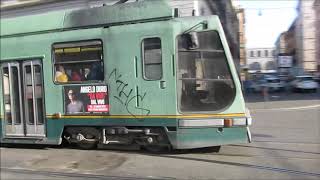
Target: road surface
(286, 145)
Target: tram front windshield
(204, 78)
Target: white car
(272, 83)
(304, 83)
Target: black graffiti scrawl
(126, 96)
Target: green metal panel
(125, 74)
(32, 23)
(93, 17)
(122, 13)
(205, 137)
(54, 129)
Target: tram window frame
(83, 63)
(6, 95)
(230, 76)
(145, 65)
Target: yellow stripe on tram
(149, 116)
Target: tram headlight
(228, 122)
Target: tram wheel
(88, 133)
(87, 145)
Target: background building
(302, 40)
(285, 51)
(281, 44)
(316, 6)
(261, 60)
(242, 42)
(306, 37)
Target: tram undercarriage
(150, 138)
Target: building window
(76, 62)
(251, 53)
(266, 53)
(259, 54)
(152, 58)
(273, 53)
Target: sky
(266, 19)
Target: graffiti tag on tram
(126, 96)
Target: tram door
(23, 102)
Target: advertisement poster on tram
(86, 99)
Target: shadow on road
(117, 149)
(275, 149)
(274, 169)
(26, 146)
(61, 175)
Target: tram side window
(76, 62)
(152, 58)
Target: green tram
(127, 74)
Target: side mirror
(194, 40)
(191, 40)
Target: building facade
(302, 40)
(280, 44)
(261, 60)
(285, 52)
(305, 37)
(242, 41)
(316, 6)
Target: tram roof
(93, 17)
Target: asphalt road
(286, 145)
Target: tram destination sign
(86, 99)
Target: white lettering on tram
(93, 89)
(101, 88)
(87, 89)
(100, 101)
(93, 101)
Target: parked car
(304, 83)
(271, 82)
(274, 84)
(257, 85)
